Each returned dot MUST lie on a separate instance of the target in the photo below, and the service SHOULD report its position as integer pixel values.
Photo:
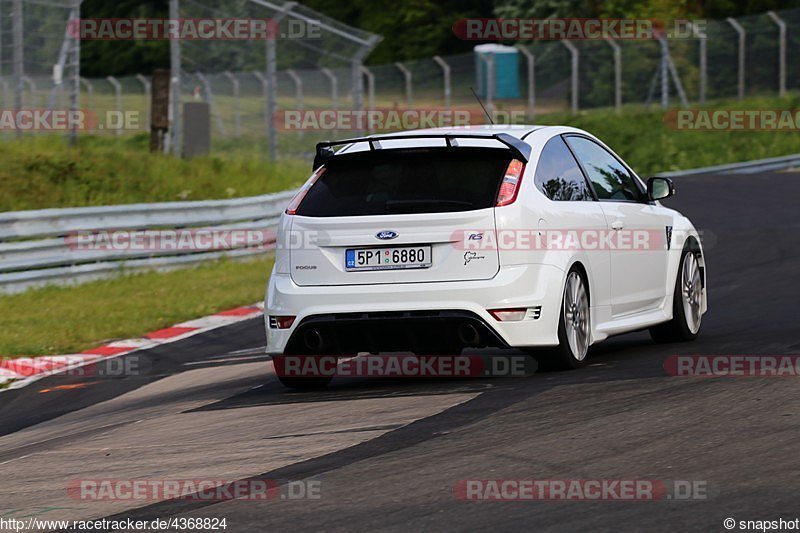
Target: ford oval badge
(385, 235)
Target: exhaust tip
(468, 334)
(313, 340)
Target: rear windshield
(384, 182)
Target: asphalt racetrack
(386, 454)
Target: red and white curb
(21, 371)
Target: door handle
(617, 225)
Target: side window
(558, 175)
(610, 179)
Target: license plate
(387, 258)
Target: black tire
(562, 357)
(677, 329)
(300, 383)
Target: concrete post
(409, 84)
(575, 74)
(446, 79)
(741, 70)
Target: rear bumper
(513, 286)
(420, 332)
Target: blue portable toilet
(506, 69)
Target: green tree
(412, 29)
(119, 58)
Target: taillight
(295, 203)
(509, 315)
(511, 182)
(281, 322)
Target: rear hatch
(398, 216)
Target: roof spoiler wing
(519, 148)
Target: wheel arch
(692, 245)
(581, 269)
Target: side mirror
(659, 188)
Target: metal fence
(248, 84)
(302, 39)
(39, 56)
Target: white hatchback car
(539, 238)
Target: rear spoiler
(520, 149)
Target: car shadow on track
(618, 359)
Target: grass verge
(42, 171)
(63, 320)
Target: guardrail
(39, 247)
(746, 167)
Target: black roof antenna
(482, 107)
